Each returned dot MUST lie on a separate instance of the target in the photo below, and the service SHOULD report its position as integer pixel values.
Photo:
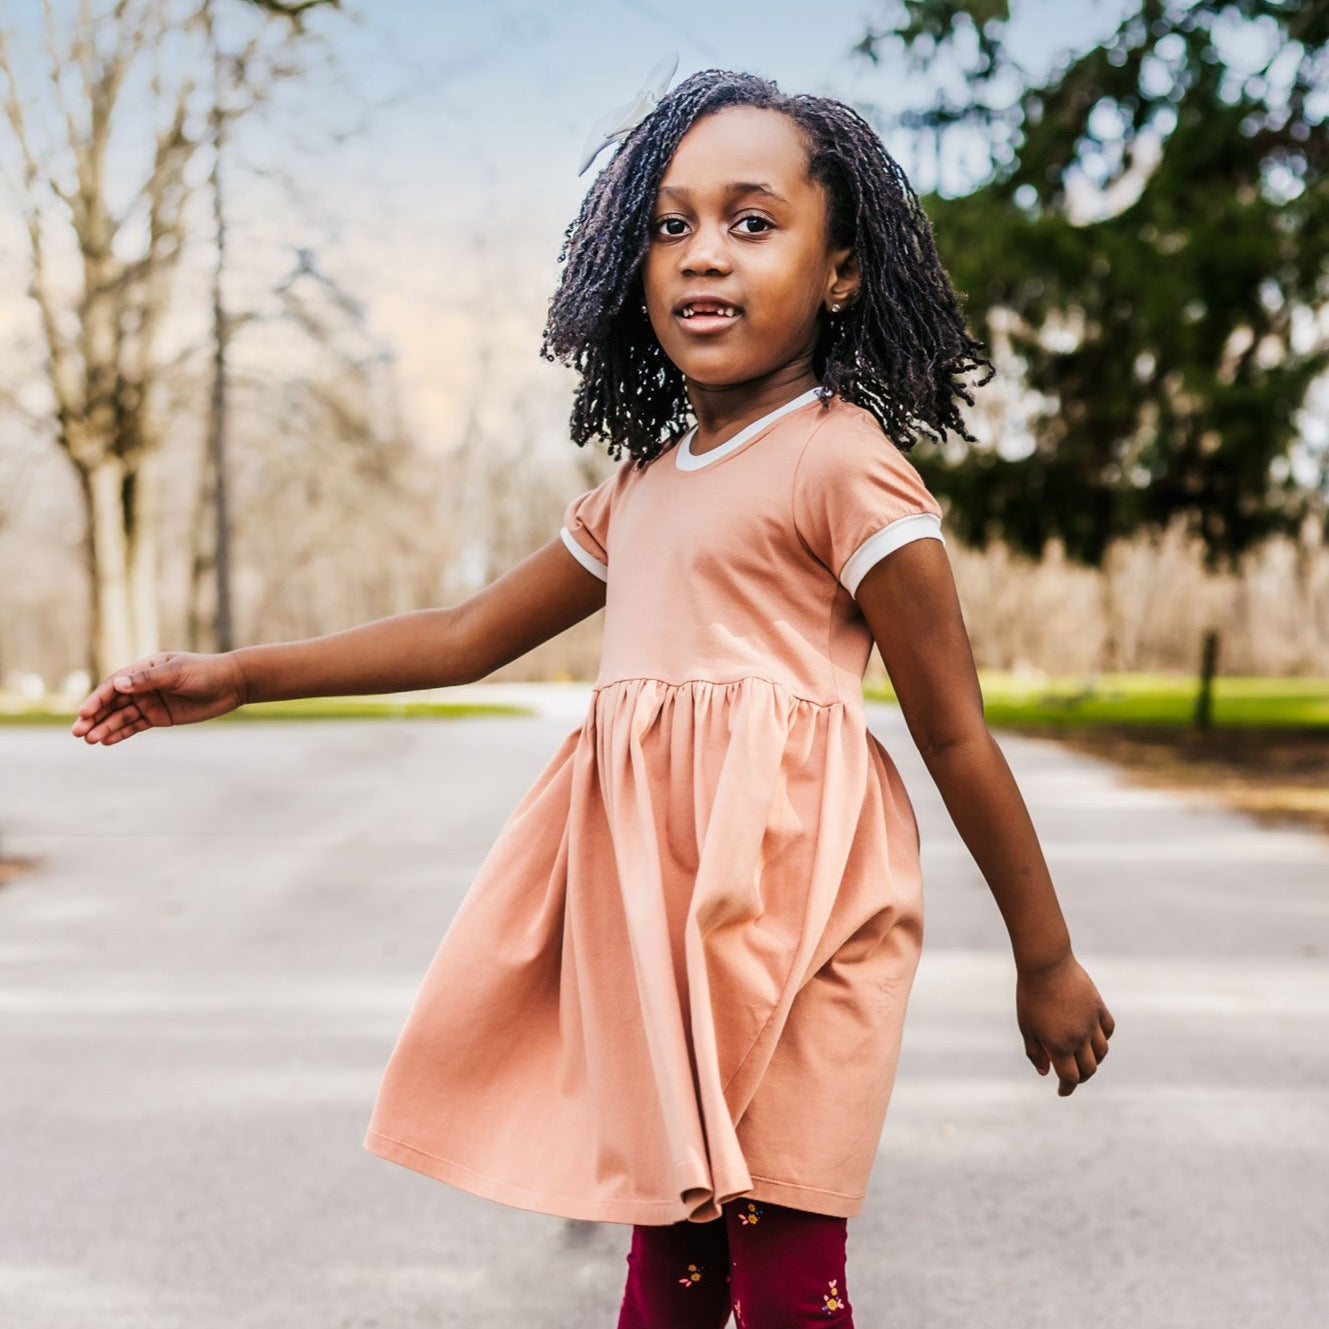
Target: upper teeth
(725, 311)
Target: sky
(514, 86)
(434, 145)
(467, 173)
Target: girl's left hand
(1064, 1022)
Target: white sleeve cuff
(886, 541)
(591, 564)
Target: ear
(842, 287)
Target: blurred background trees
(1167, 316)
(1149, 260)
(230, 418)
(1142, 242)
(103, 256)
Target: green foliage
(15, 711)
(1147, 700)
(1160, 338)
(928, 24)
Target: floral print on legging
(772, 1264)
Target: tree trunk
(200, 629)
(1310, 555)
(1110, 656)
(90, 572)
(217, 418)
(113, 635)
(1204, 699)
(101, 337)
(142, 500)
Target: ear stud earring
(835, 309)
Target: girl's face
(740, 264)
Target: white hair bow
(614, 126)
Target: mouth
(707, 315)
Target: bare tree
(102, 339)
(15, 480)
(332, 497)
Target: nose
(704, 253)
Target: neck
(722, 411)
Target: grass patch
(313, 708)
(1266, 752)
(360, 708)
(1150, 700)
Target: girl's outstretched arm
(544, 594)
(911, 605)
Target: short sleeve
(586, 526)
(857, 498)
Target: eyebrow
(736, 189)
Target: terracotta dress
(680, 974)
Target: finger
(98, 699)
(1100, 1045)
(1034, 1051)
(139, 690)
(1105, 1019)
(121, 734)
(1086, 1061)
(86, 726)
(124, 714)
(1068, 1074)
(83, 726)
(108, 690)
(147, 678)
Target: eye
(763, 223)
(661, 224)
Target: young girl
(673, 995)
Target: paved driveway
(201, 983)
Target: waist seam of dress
(722, 683)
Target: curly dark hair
(900, 349)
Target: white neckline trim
(686, 461)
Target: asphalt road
(201, 982)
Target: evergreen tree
(1171, 341)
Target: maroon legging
(773, 1267)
